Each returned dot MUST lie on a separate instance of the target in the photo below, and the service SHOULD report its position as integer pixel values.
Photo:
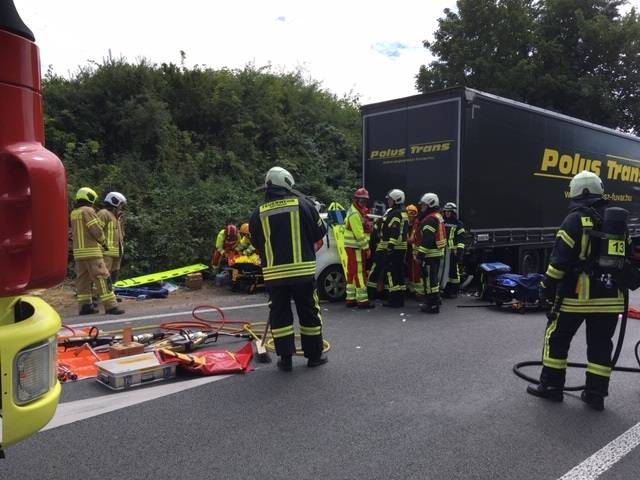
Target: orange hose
(203, 324)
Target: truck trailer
(506, 164)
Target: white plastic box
(133, 371)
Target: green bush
(188, 148)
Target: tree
(188, 147)
(579, 57)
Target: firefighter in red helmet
(356, 244)
(227, 242)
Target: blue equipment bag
(524, 287)
(141, 292)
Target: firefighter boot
(593, 400)
(366, 305)
(317, 361)
(372, 293)
(285, 363)
(396, 300)
(88, 309)
(549, 393)
(432, 304)
(430, 308)
(114, 311)
(450, 291)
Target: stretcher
(246, 273)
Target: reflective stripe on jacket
(112, 228)
(455, 234)
(432, 236)
(88, 236)
(223, 245)
(394, 230)
(354, 233)
(582, 292)
(284, 231)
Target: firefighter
(227, 243)
(89, 242)
(580, 292)
(245, 247)
(455, 241)
(412, 272)
(111, 218)
(357, 232)
(430, 241)
(390, 252)
(284, 230)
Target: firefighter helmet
(279, 177)
(244, 229)
(231, 231)
(396, 195)
(361, 193)
(585, 183)
(450, 207)
(87, 194)
(115, 199)
(412, 210)
(431, 200)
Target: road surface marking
(70, 412)
(606, 457)
(164, 315)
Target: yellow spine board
(157, 277)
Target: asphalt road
(404, 396)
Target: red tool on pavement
(211, 362)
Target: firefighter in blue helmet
(575, 283)
(284, 230)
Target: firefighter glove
(547, 292)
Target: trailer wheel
(529, 262)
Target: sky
(371, 50)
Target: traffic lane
(427, 397)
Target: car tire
(332, 284)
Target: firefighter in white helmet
(581, 291)
(431, 240)
(390, 252)
(284, 230)
(112, 220)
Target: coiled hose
(222, 326)
(614, 360)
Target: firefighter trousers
(558, 335)
(415, 277)
(92, 271)
(356, 270)
(305, 297)
(431, 280)
(113, 265)
(392, 271)
(454, 271)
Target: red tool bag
(211, 362)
